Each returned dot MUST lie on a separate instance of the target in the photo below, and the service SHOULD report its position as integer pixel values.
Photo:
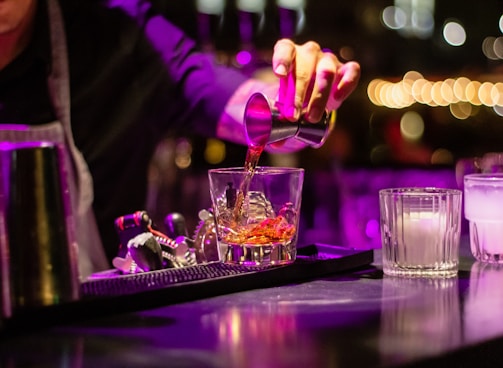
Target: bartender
(110, 79)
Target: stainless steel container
(38, 255)
(264, 124)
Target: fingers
(330, 94)
(306, 62)
(283, 57)
(326, 71)
(311, 81)
(348, 77)
(296, 84)
(283, 64)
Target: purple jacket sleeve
(204, 85)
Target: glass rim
(484, 177)
(258, 170)
(420, 191)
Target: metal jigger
(38, 257)
(264, 124)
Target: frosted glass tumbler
(420, 231)
(484, 211)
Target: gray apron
(91, 254)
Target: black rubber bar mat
(111, 293)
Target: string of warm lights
(460, 94)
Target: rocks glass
(420, 231)
(483, 194)
(257, 213)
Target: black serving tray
(110, 292)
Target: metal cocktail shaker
(264, 124)
(38, 253)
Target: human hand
(311, 80)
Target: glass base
(259, 255)
(485, 257)
(486, 241)
(450, 270)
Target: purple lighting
(359, 199)
(243, 57)
(372, 229)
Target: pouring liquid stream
(251, 161)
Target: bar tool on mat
(205, 237)
(176, 229)
(143, 248)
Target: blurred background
(430, 100)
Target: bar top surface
(359, 318)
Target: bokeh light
(347, 53)
(454, 34)
(461, 94)
(215, 151)
(183, 153)
(394, 17)
(210, 6)
(461, 110)
(488, 48)
(498, 110)
(498, 47)
(442, 156)
(485, 94)
(251, 6)
(472, 93)
(291, 4)
(497, 94)
(243, 57)
(411, 19)
(459, 88)
(411, 126)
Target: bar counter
(352, 319)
